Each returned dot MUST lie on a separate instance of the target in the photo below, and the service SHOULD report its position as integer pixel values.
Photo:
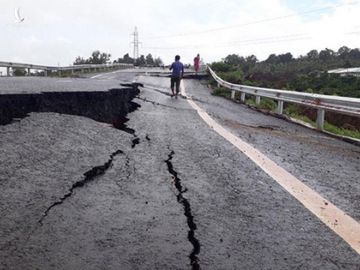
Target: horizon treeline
(98, 57)
(306, 73)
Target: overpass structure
(47, 69)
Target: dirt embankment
(340, 120)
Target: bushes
(235, 77)
(19, 72)
(221, 92)
(222, 67)
(265, 103)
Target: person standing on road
(197, 63)
(177, 73)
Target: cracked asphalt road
(174, 196)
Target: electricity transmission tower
(136, 44)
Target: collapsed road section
(110, 106)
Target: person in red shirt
(197, 63)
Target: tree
(140, 61)
(355, 54)
(251, 59)
(222, 67)
(127, 59)
(234, 60)
(149, 60)
(313, 54)
(285, 58)
(96, 58)
(158, 62)
(326, 55)
(99, 58)
(80, 61)
(19, 72)
(272, 59)
(343, 52)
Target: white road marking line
(96, 76)
(337, 220)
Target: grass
(341, 131)
(265, 103)
(222, 92)
(292, 112)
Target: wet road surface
(172, 194)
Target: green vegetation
(292, 112)
(221, 92)
(19, 72)
(98, 57)
(265, 103)
(307, 73)
(341, 131)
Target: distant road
(170, 193)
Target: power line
(266, 40)
(250, 23)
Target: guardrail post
(233, 94)
(320, 119)
(28, 72)
(242, 97)
(45, 72)
(257, 100)
(8, 71)
(72, 72)
(280, 107)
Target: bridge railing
(341, 105)
(46, 69)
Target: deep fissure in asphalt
(90, 175)
(155, 103)
(110, 106)
(135, 142)
(194, 260)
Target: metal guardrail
(46, 69)
(342, 105)
(346, 71)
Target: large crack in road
(90, 175)
(194, 260)
(119, 122)
(110, 106)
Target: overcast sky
(56, 32)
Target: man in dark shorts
(177, 73)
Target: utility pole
(136, 44)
